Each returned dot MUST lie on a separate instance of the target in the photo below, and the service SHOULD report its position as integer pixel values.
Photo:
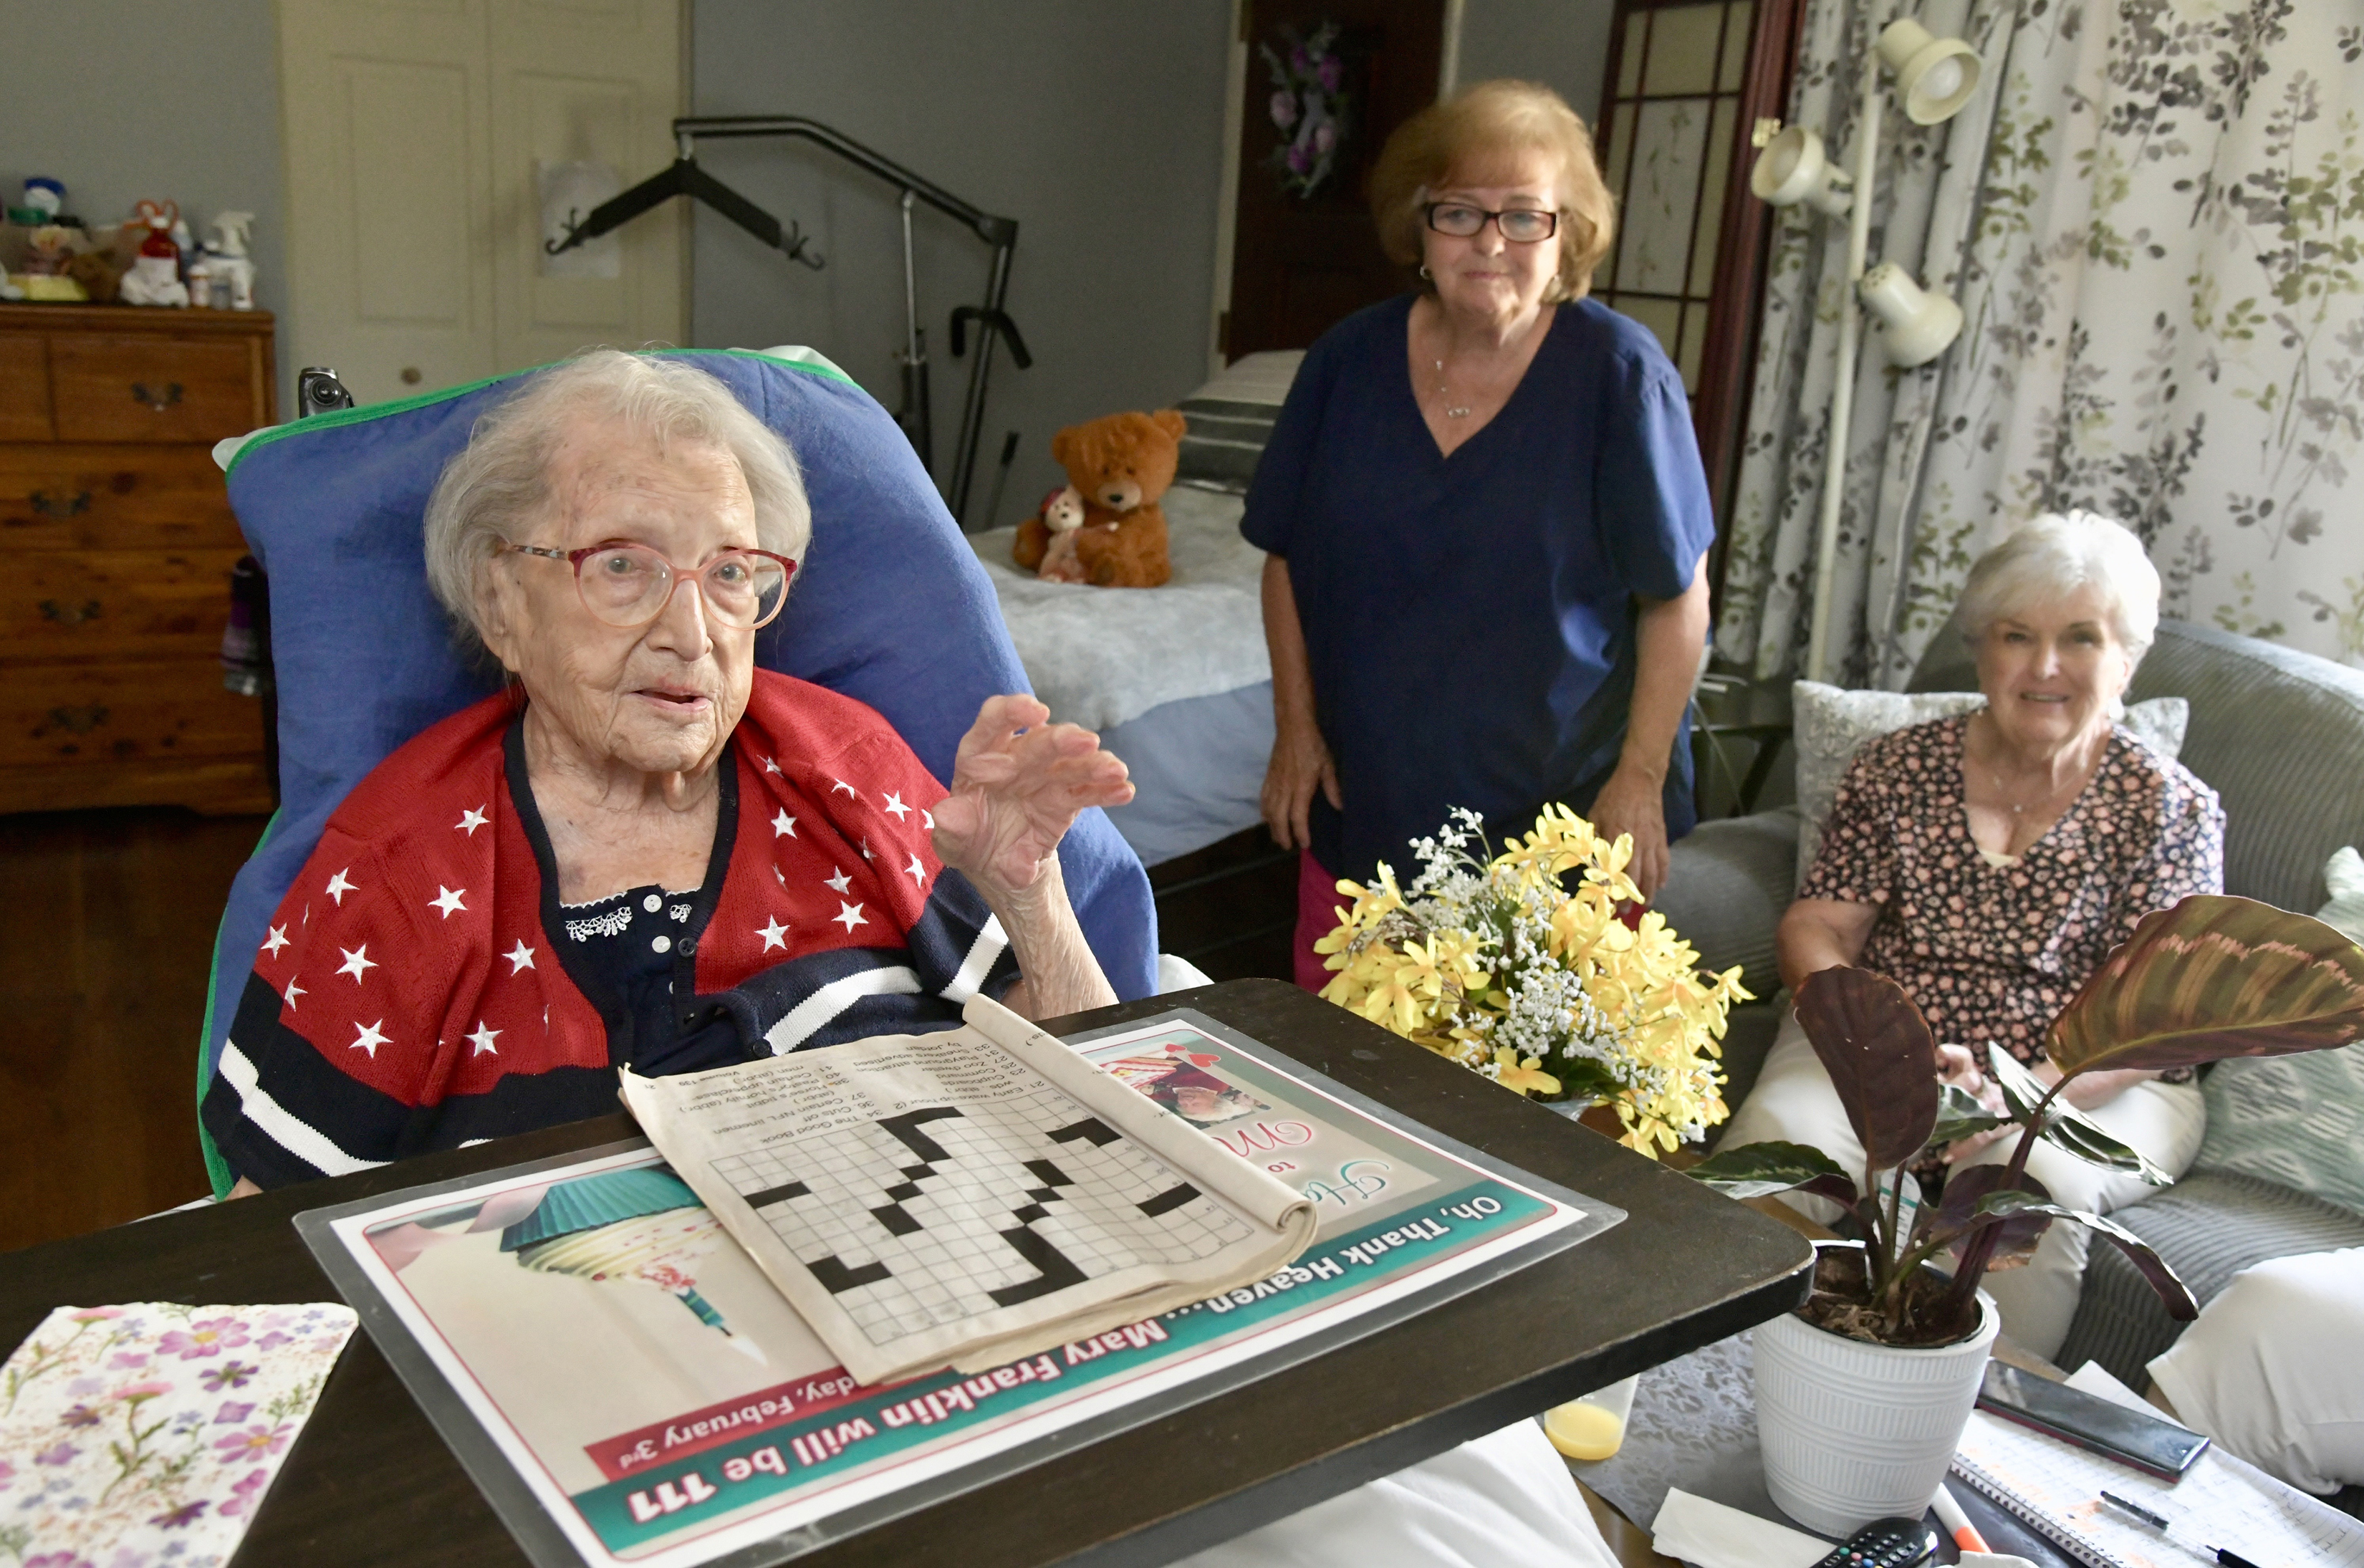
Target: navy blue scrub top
(1470, 619)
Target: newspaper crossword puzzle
(939, 1215)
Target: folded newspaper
(966, 1199)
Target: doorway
(1327, 82)
(429, 144)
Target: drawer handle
(67, 615)
(158, 400)
(51, 505)
(79, 720)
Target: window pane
(1629, 60)
(1682, 49)
(1621, 151)
(1694, 343)
(1711, 213)
(1669, 142)
(1663, 316)
(1734, 70)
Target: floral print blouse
(1992, 953)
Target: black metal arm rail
(685, 178)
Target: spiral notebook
(2056, 1488)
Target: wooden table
(370, 1483)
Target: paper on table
(1711, 1535)
(2222, 1500)
(149, 1431)
(967, 1199)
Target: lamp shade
(1935, 77)
(1794, 168)
(1916, 325)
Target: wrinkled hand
(1300, 764)
(1019, 782)
(1959, 1065)
(1631, 802)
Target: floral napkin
(145, 1436)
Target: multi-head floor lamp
(1935, 78)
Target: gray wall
(122, 99)
(1564, 44)
(1099, 128)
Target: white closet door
(413, 131)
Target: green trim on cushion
(810, 361)
(217, 1169)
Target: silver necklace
(1445, 393)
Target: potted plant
(1862, 1393)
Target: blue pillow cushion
(891, 607)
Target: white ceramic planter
(1853, 1432)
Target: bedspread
(1101, 656)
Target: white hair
(500, 484)
(2052, 556)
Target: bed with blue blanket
(1175, 678)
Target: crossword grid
(939, 1215)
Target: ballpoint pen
(2158, 1522)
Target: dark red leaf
(2172, 1293)
(1882, 1058)
(1972, 1185)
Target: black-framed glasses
(1520, 226)
(627, 585)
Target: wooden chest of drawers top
(119, 374)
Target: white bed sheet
(1101, 656)
(1175, 678)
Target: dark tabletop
(370, 1483)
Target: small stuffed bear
(1119, 465)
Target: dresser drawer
(89, 497)
(149, 710)
(24, 388)
(92, 605)
(111, 388)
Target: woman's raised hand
(1019, 782)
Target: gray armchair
(2279, 734)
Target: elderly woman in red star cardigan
(649, 851)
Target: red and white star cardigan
(417, 990)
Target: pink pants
(1318, 903)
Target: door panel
(584, 81)
(1300, 262)
(414, 129)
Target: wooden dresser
(120, 542)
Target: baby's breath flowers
(1519, 968)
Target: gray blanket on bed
(1101, 656)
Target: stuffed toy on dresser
(1106, 528)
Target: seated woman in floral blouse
(1988, 863)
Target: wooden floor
(103, 968)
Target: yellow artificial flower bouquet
(1525, 972)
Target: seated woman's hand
(1959, 1065)
(1019, 782)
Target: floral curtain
(2153, 216)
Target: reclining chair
(891, 609)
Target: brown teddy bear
(1120, 466)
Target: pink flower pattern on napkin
(117, 1446)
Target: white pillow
(2345, 877)
(1832, 724)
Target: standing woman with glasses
(648, 852)
(1485, 523)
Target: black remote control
(1885, 1543)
